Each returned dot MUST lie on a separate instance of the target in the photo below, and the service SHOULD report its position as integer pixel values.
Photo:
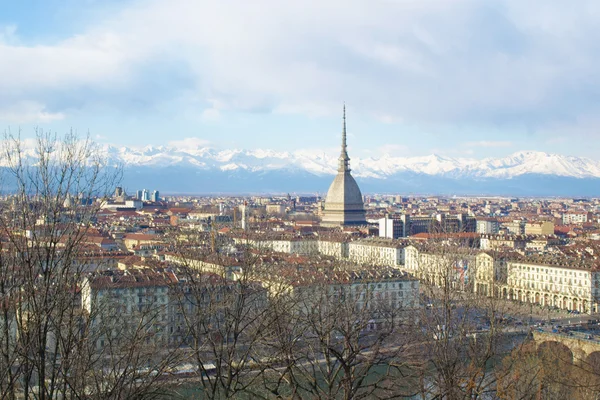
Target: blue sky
(462, 78)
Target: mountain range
(197, 170)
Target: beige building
(574, 217)
(275, 209)
(539, 228)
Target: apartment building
(122, 301)
(365, 288)
(376, 251)
(445, 265)
(560, 284)
(574, 217)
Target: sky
(460, 78)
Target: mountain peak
(382, 167)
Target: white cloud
(28, 111)
(489, 143)
(433, 61)
(188, 143)
(394, 149)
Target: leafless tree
(465, 331)
(222, 316)
(337, 336)
(47, 346)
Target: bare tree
(340, 334)
(465, 331)
(222, 316)
(47, 346)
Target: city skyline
(463, 80)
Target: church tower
(344, 204)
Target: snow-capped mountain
(204, 158)
(198, 169)
(201, 169)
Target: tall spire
(343, 160)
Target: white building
(370, 289)
(488, 226)
(376, 252)
(118, 298)
(391, 228)
(561, 286)
(334, 248)
(574, 217)
(446, 265)
(289, 245)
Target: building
(338, 249)
(139, 297)
(488, 226)
(490, 273)
(502, 242)
(155, 196)
(539, 228)
(391, 228)
(557, 284)
(275, 209)
(344, 203)
(134, 241)
(453, 266)
(574, 217)
(376, 252)
(370, 290)
(281, 244)
(516, 227)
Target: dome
(344, 191)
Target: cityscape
(229, 229)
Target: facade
(376, 252)
(370, 289)
(450, 265)
(289, 245)
(488, 226)
(338, 249)
(130, 296)
(222, 266)
(275, 209)
(560, 286)
(490, 274)
(391, 228)
(502, 242)
(516, 227)
(373, 251)
(574, 218)
(344, 203)
(539, 228)
(557, 283)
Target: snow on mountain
(514, 165)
